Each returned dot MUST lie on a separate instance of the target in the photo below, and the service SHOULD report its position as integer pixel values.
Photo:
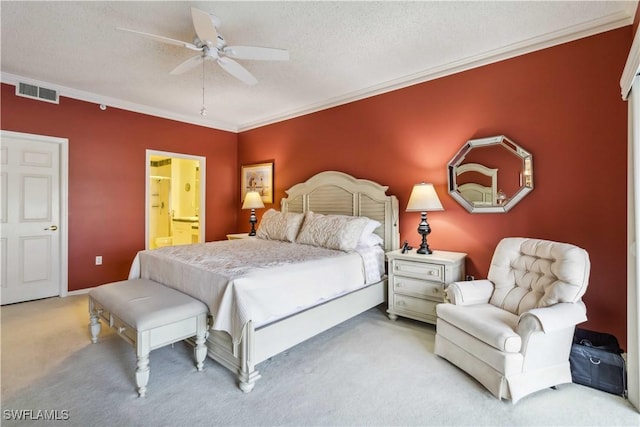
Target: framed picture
(257, 177)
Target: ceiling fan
(212, 46)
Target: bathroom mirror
(490, 175)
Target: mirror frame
(526, 176)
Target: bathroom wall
(183, 187)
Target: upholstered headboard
(337, 193)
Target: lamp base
(424, 249)
(253, 220)
(423, 230)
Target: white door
(30, 218)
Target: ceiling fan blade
(187, 65)
(162, 39)
(256, 53)
(237, 70)
(204, 26)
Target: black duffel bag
(596, 361)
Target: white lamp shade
(252, 200)
(423, 199)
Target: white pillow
(340, 232)
(370, 240)
(276, 225)
(365, 239)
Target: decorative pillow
(331, 231)
(276, 225)
(365, 239)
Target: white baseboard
(78, 292)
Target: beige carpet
(367, 371)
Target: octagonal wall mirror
(490, 175)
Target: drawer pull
(121, 329)
(400, 303)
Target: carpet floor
(368, 371)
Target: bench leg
(200, 350)
(94, 322)
(142, 366)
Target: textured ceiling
(340, 51)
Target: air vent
(37, 92)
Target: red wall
(107, 176)
(562, 104)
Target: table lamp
(424, 199)
(253, 201)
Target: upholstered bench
(148, 315)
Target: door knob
(52, 228)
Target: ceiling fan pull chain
(203, 110)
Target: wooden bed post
(247, 374)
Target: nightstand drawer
(419, 270)
(416, 287)
(416, 306)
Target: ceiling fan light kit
(212, 46)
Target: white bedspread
(257, 280)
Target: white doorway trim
(203, 189)
(64, 199)
(633, 255)
(630, 89)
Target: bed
(246, 326)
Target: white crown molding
(590, 28)
(631, 67)
(118, 103)
(576, 32)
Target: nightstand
(417, 282)
(237, 236)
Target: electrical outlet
(99, 260)
(469, 278)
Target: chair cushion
(486, 322)
(533, 273)
(145, 304)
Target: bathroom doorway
(175, 199)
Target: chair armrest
(470, 292)
(547, 333)
(555, 317)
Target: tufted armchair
(513, 331)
